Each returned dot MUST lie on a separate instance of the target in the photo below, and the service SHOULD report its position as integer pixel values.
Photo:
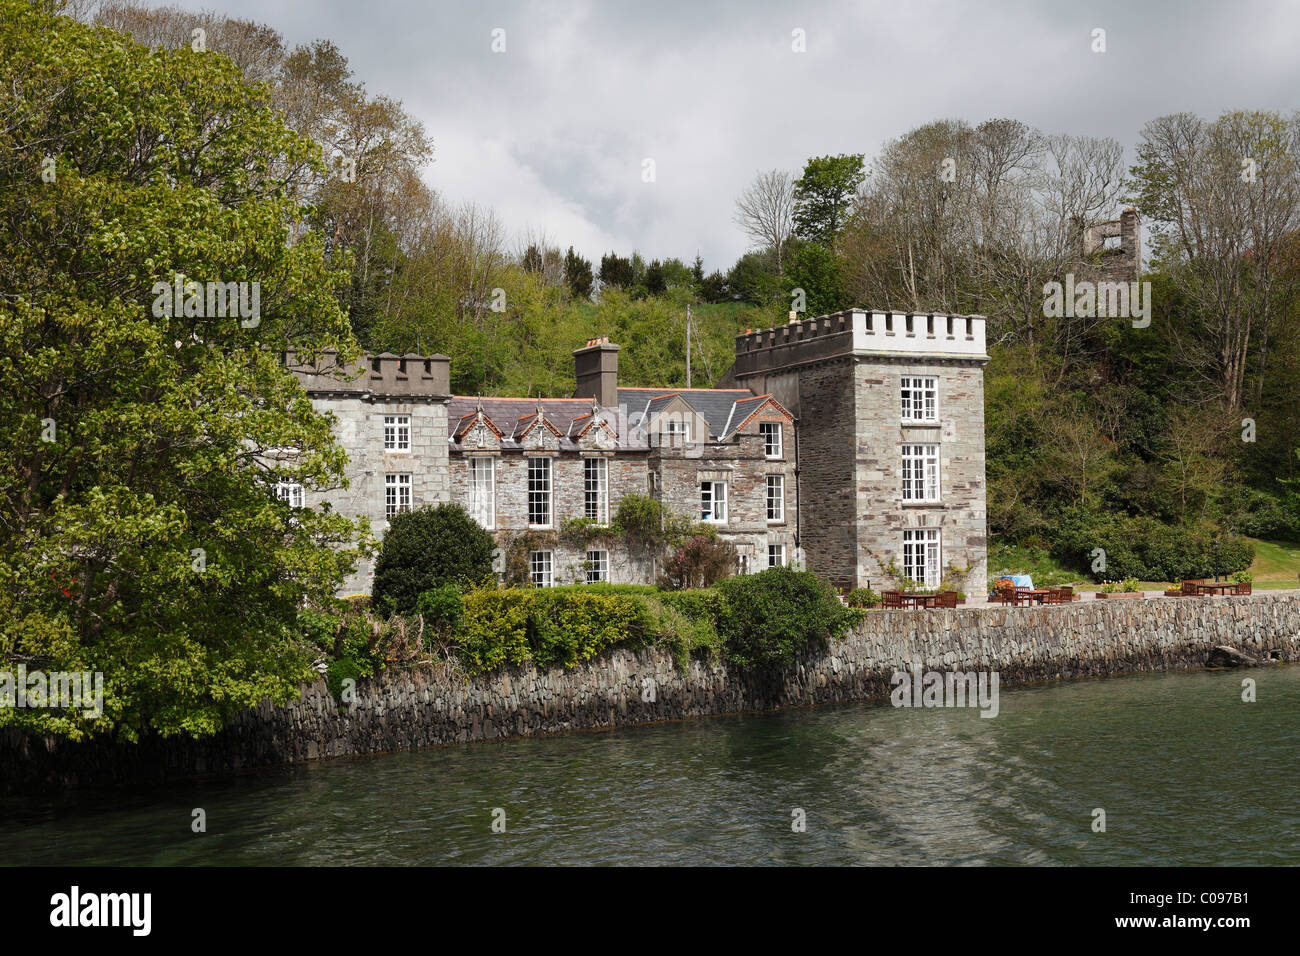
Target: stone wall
(404, 710)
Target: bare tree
(258, 50)
(1223, 198)
(765, 211)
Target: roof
(714, 404)
(512, 417)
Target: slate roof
(715, 404)
(725, 410)
(512, 416)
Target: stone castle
(851, 444)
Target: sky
(554, 132)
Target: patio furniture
(1243, 587)
(1222, 587)
(892, 599)
(945, 599)
(1189, 585)
(918, 600)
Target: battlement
(857, 331)
(382, 375)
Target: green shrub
(606, 588)
(1261, 515)
(1149, 550)
(339, 670)
(319, 627)
(686, 622)
(494, 629)
(442, 606)
(775, 614)
(862, 597)
(570, 626)
(428, 547)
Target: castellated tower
(890, 422)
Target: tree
(824, 194)
(532, 261)
(765, 212)
(141, 535)
(1223, 199)
(816, 270)
(754, 278)
(655, 283)
(425, 549)
(577, 273)
(617, 272)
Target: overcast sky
(553, 132)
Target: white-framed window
(679, 428)
(776, 555)
(920, 472)
(539, 568)
(775, 498)
(920, 399)
(397, 433)
(483, 491)
(595, 477)
(597, 566)
(771, 432)
(289, 491)
(921, 555)
(539, 493)
(397, 494)
(713, 501)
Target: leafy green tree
(823, 195)
(577, 273)
(617, 272)
(655, 283)
(532, 261)
(141, 535)
(816, 270)
(754, 279)
(425, 549)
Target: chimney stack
(595, 366)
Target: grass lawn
(1277, 563)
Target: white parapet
(928, 334)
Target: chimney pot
(595, 369)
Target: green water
(1186, 772)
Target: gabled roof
(527, 423)
(469, 420)
(746, 409)
(512, 418)
(713, 404)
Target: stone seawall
(408, 710)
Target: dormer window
(771, 433)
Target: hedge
(1148, 550)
